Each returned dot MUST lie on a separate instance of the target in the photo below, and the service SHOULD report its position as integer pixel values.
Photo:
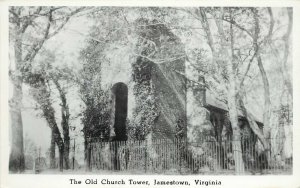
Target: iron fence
(180, 156)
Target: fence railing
(180, 156)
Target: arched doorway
(120, 100)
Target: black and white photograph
(150, 90)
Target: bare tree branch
(47, 35)
(238, 26)
(67, 18)
(247, 70)
(272, 22)
(38, 45)
(205, 25)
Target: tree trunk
(254, 126)
(284, 67)
(50, 117)
(236, 139)
(60, 144)
(61, 156)
(52, 152)
(16, 159)
(65, 126)
(267, 106)
(267, 98)
(67, 152)
(229, 59)
(65, 122)
(202, 15)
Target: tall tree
(40, 82)
(227, 53)
(266, 85)
(30, 28)
(224, 57)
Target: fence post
(145, 155)
(180, 155)
(73, 161)
(89, 156)
(116, 155)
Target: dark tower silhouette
(120, 92)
